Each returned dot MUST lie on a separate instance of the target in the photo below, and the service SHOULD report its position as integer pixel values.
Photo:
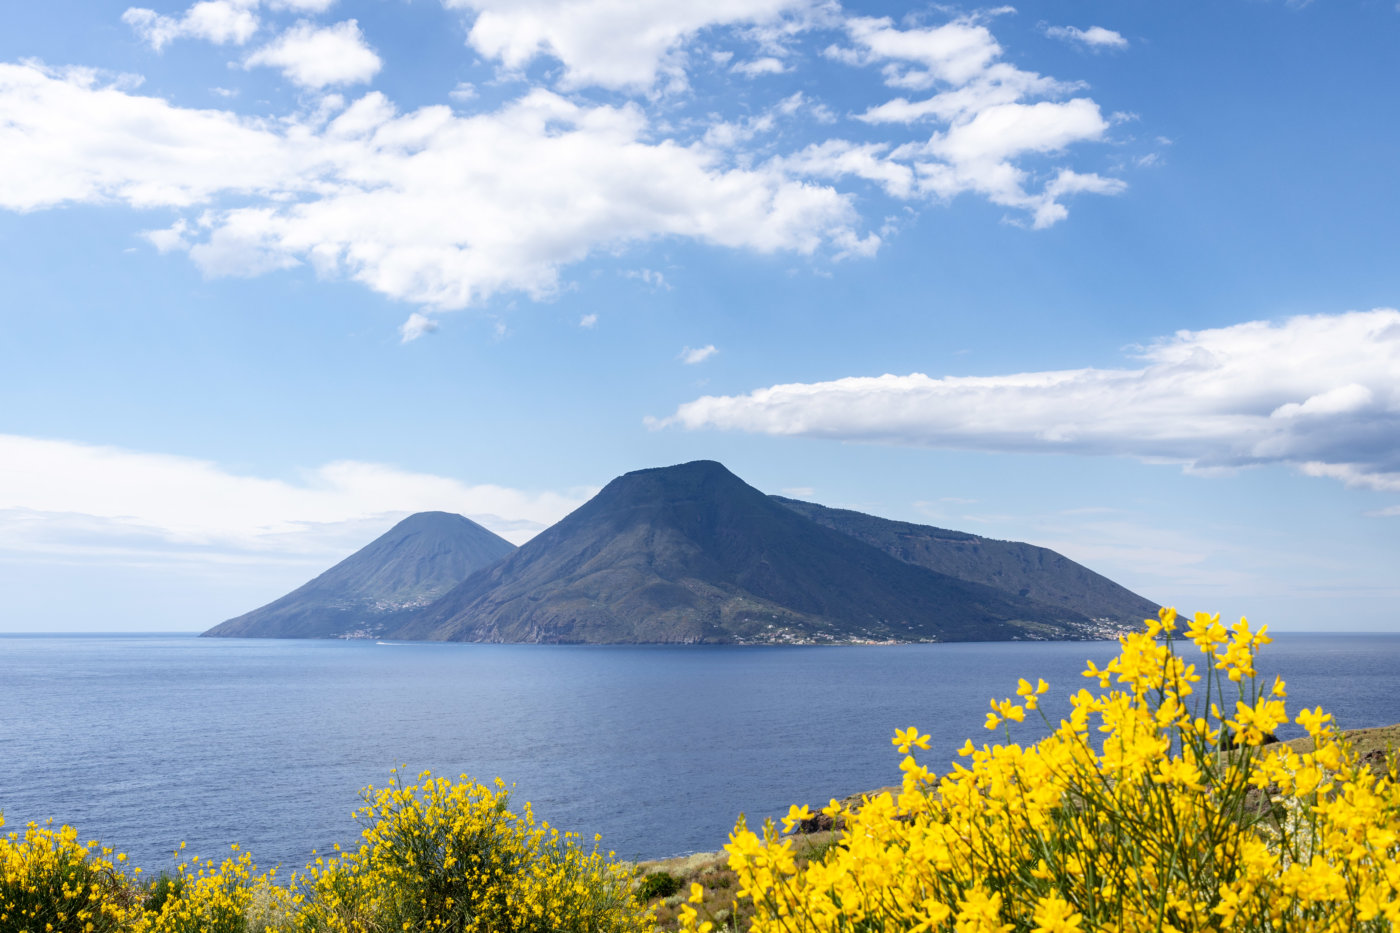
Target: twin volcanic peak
(692, 554)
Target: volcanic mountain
(408, 566)
(691, 553)
(1033, 572)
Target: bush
(453, 857)
(48, 881)
(161, 890)
(436, 856)
(1155, 827)
(658, 884)
(227, 897)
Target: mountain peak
(692, 553)
(411, 564)
(689, 468)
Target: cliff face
(408, 566)
(691, 553)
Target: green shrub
(161, 890)
(658, 884)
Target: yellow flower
(905, 739)
(795, 815)
(1054, 915)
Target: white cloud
(603, 42)
(463, 92)
(1095, 37)
(446, 209)
(588, 321)
(217, 21)
(315, 57)
(66, 138)
(759, 66)
(986, 114)
(416, 326)
(428, 207)
(836, 158)
(1320, 393)
(59, 497)
(698, 355)
(174, 237)
(649, 276)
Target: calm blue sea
(145, 741)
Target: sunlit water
(145, 741)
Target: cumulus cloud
(1095, 37)
(601, 42)
(428, 206)
(218, 21)
(987, 114)
(1320, 393)
(446, 206)
(66, 137)
(316, 57)
(690, 356)
(760, 66)
(416, 326)
(59, 496)
(588, 321)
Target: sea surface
(145, 741)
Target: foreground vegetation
(1160, 804)
(436, 855)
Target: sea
(146, 741)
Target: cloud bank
(426, 207)
(66, 499)
(1319, 393)
(602, 145)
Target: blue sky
(1117, 278)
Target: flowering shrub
(49, 882)
(453, 857)
(1154, 806)
(436, 856)
(228, 897)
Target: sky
(1115, 278)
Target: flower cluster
(452, 856)
(1156, 805)
(439, 855)
(51, 882)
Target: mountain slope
(691, 553)
(1033, 572)
(410, 565)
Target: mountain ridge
(691, 553)
(1035, 572)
